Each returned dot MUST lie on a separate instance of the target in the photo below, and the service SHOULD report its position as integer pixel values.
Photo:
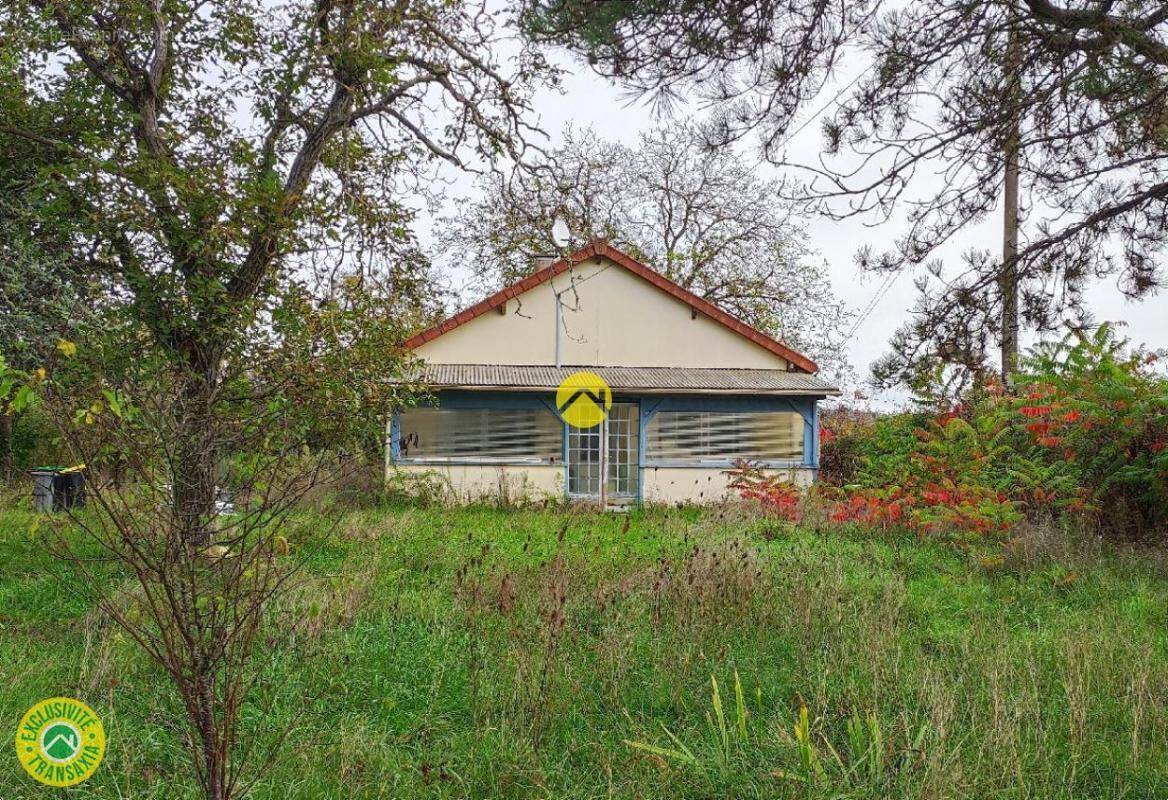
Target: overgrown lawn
(542, 654)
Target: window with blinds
(480, 435)
(698, 437)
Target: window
(483, 435)
(699, 437)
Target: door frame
(601, 497)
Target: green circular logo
(60, 741)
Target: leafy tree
(40, 303)
(44, 292)
(224, 170)
(222, 143)
(701, 217)
(1094, 413)
(1084, 92)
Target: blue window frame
(717, 410)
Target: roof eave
(827, 391)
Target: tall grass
(486, 653)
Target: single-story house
(693, 390)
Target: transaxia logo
(60, 741)
(583, 399)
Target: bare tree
(701, 217)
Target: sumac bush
(1083, 433)
(1089, 432)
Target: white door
(609, 449)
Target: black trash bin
(58, 488)
(69, 486)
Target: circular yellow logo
(60, 741)
(583, 399)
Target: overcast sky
(589, 100)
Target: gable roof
(601, 248)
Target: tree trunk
(197, 446)
(1009, 278)
(1009, 281)
(214, 755)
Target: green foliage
(1086, 433)
(816, 762)
(35, 441)
(339, 363)
(273, 170)
(423, 489)
(44, 292)
(726, 739)
(1093, 419)
(18, 388)
(887, 449)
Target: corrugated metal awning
(701, 380)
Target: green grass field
(574, 660)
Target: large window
(700, 437)
(480, 435)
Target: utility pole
(1009, 277)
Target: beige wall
(518, 485)
(611, 317)
(687, 485)
(467, 483)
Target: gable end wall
(610, 317)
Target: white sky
(588, 100)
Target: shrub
(843, 438)
(777, 495)
(1085, 435)
(1091, 431)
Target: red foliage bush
(778, 497)
(1086, 432)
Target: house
(692, 390)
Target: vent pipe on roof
(559, 324)
(541, 262)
